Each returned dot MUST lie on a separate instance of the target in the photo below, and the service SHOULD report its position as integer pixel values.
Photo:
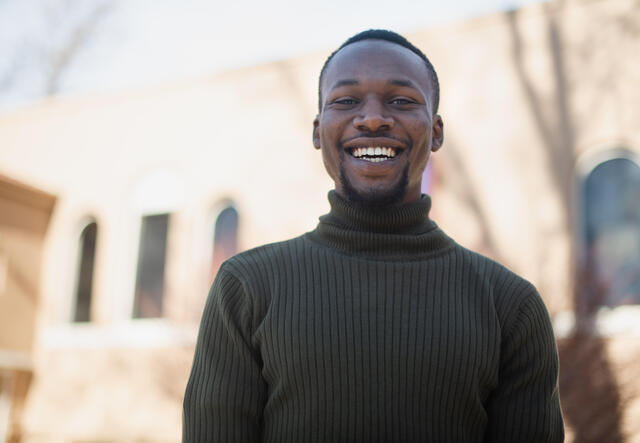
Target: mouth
(373, 154)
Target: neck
(410, 196)
(398, 231)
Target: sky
(136, 43)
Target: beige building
(24, 217)
(540, 169)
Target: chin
(376, 196)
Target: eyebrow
(395, 82)
(403, 83)
(346, 82)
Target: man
(376, 326)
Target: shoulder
(258, 272)
(509, 292)
(261, 269)
(246, 263)
(494, 274)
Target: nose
(372, 118)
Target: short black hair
(393, 37)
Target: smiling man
(377, 123)
(376, 326)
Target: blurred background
(142, 143)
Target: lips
(374, 150)
(373, 154)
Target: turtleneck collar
(396, 232)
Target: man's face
(376, 128)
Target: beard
(376, 197)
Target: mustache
(371, 135)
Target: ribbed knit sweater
(374, 327)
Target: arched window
(152, 255)
(610, 213)
(84, 273)
(156, 196)
(225, 237)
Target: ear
(437, 133)
(316, 133)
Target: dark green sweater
(374, 327)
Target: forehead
(376, 60)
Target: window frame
(605, 321)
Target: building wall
(528, 97)
(24, 217)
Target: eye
(346, 101)
(401, 101)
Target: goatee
(375, 197)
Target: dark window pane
(84, 276)
(611, 196)
(151, 262)
(225, 238)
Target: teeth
(377, 151)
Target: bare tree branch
(39, 53)
(61, 58)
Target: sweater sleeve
(225, 394)
(525, 406)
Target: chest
(376, 325)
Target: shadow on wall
(590, 394)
